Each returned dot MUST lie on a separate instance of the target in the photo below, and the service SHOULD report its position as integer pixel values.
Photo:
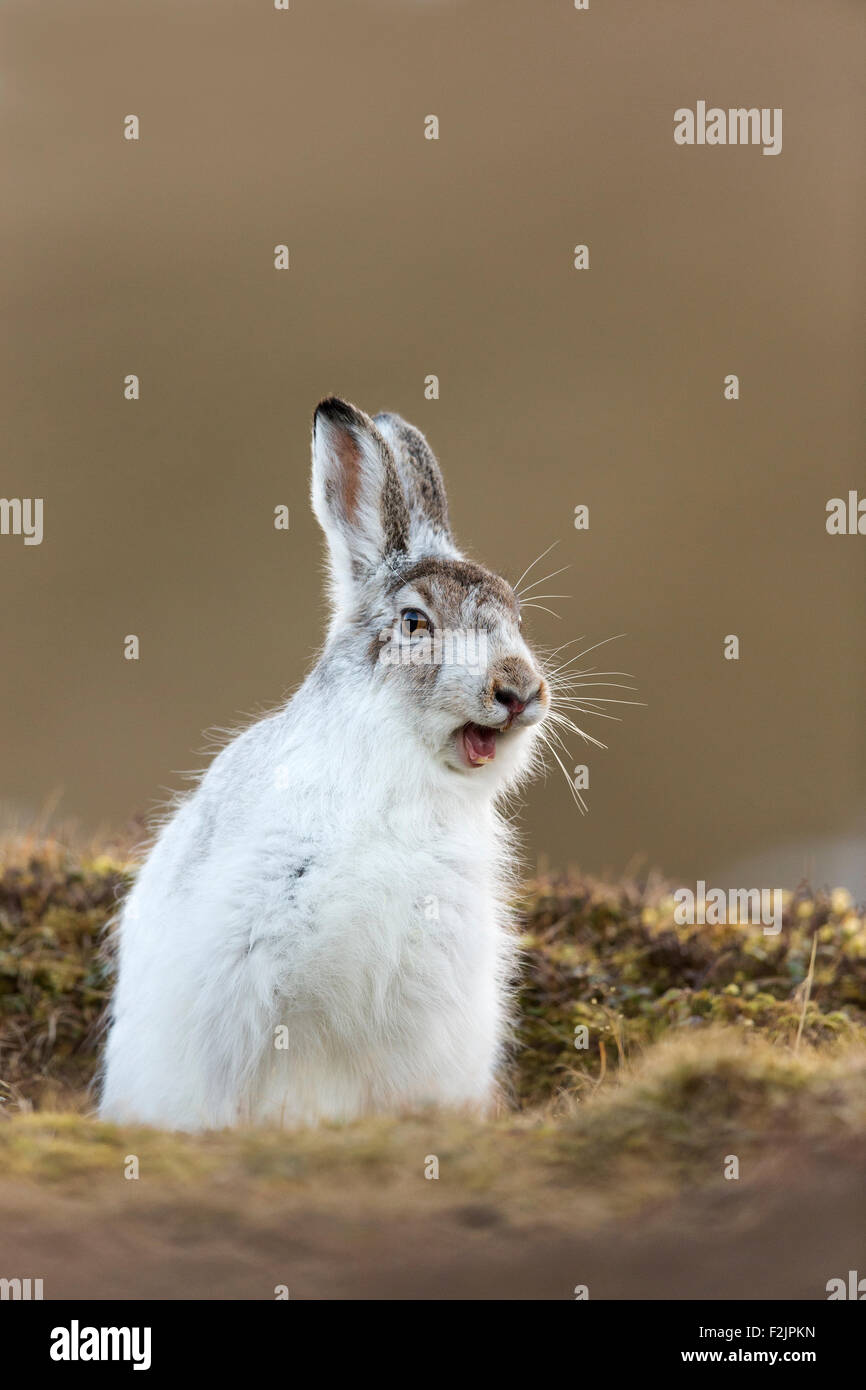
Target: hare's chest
(402, 901)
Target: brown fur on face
(454, 580)
(463, 595)
(513, 673)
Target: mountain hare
(321, 929)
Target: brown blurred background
(558, 387)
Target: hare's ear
(423, 484)
(357, 494)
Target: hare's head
(412, 615)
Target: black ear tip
(337, 412)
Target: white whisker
(532, 566)
(570, 643)
(592, 685)
(600, 700)
(543, 580)
(543, 609)
(593, 648)
(599, 714)
(537, 596)
(567, 723)
(576, 796)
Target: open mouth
(477, 744)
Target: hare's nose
(510, 699)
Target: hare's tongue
(479, 743)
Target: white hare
(322, 928)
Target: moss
(54, 970)
(612, 958)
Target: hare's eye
(412, 620)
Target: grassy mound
(606, 959)
(657, 1130)
(611, 1167)
(55, 971)
(613, 959)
